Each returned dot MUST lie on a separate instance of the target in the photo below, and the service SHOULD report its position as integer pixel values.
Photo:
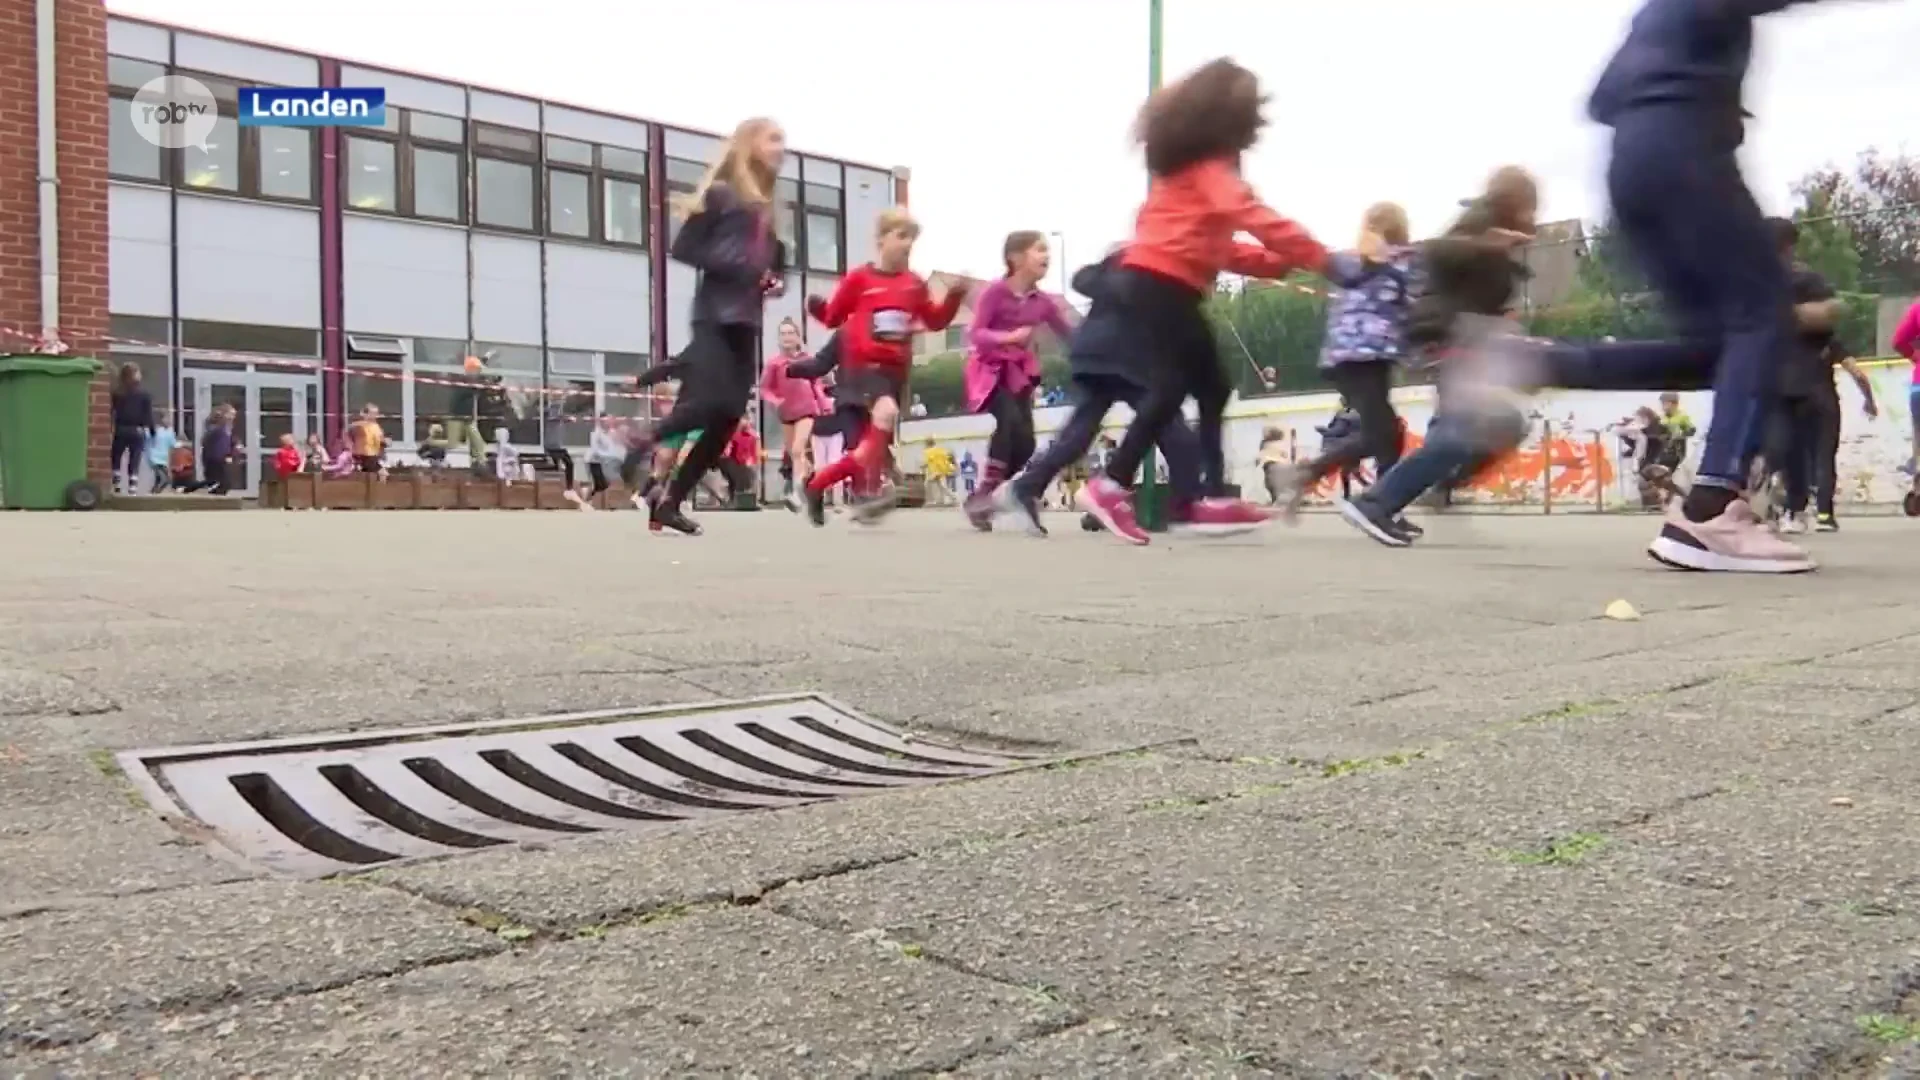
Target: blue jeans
(1455, 440)
(1093, 396)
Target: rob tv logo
(324, 106)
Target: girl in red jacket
(1194, 132)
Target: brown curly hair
(1212, 113)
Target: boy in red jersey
(878, 305)
(1194, 132)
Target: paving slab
(613, 877)
(73, 827)
(69, 973)
(1311, 947)
(731, 993)
(1674, 845)
(1108, 1048)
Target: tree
(1827, 243)
(1274, 325)
(1879, 203)
(1608, 270)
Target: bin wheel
(82, 495)
(1911, 504)
(1091, 524)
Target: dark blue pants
(1688, 217)
(1093, 396)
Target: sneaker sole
(1102, 515)
(1677, 551)
(1357, 518)
(1213, 531)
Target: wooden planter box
(447, 490)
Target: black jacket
(1465, 275)
(1103, 345)
(723, 243)
(133, 410)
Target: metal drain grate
(332, 803)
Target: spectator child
(506, 459)
(160, 455)
(286, 460)
(433, 449)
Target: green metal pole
(1151, 507)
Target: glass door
(283, 406)
(266, 407)
(210, 391)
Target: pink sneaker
(1221, 517)
(1112, 506)
(1735, 542)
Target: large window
(128, 154)
(415, 166)
(258, 162)
(506, 191)
(824, 227)
(143, 342)
(682, 178)
(596, 192)
(248, 339)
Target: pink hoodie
(797, 399)
(1906, 339)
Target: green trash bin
(43, 433)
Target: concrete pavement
(1355, 811)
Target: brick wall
(81, 48)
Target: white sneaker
(1792, 524)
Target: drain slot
(322, 805)
(614, 774)
(653, 755)
(290, 820)
(820, 728)
(453, 786)
(387, 810)
(518, 770)
(721, 748)
(800, 749)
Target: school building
(301, 274)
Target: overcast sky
(1013, 114)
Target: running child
(1002, 370)
(1106, 367)
(800, 403)
(1672, 96)
(1194, 132)
(879, 305)
(1365, 344)
(1469, 271)
(728, 235)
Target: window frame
(121, 97)
(406, 144)
(247, 151)
(803, 228)
(531, 160)
(599, 177)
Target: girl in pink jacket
(799, 402)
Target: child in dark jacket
(1107, 367)
(1468, 271)
(727, 234)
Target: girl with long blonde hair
(728, 234)
(1373, 291)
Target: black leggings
(713, 398)
(1164, 316)
(130, 446)
(1802, 442)
(597, 473)
(561, 460)
(1367, 386)
(1012, 442)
